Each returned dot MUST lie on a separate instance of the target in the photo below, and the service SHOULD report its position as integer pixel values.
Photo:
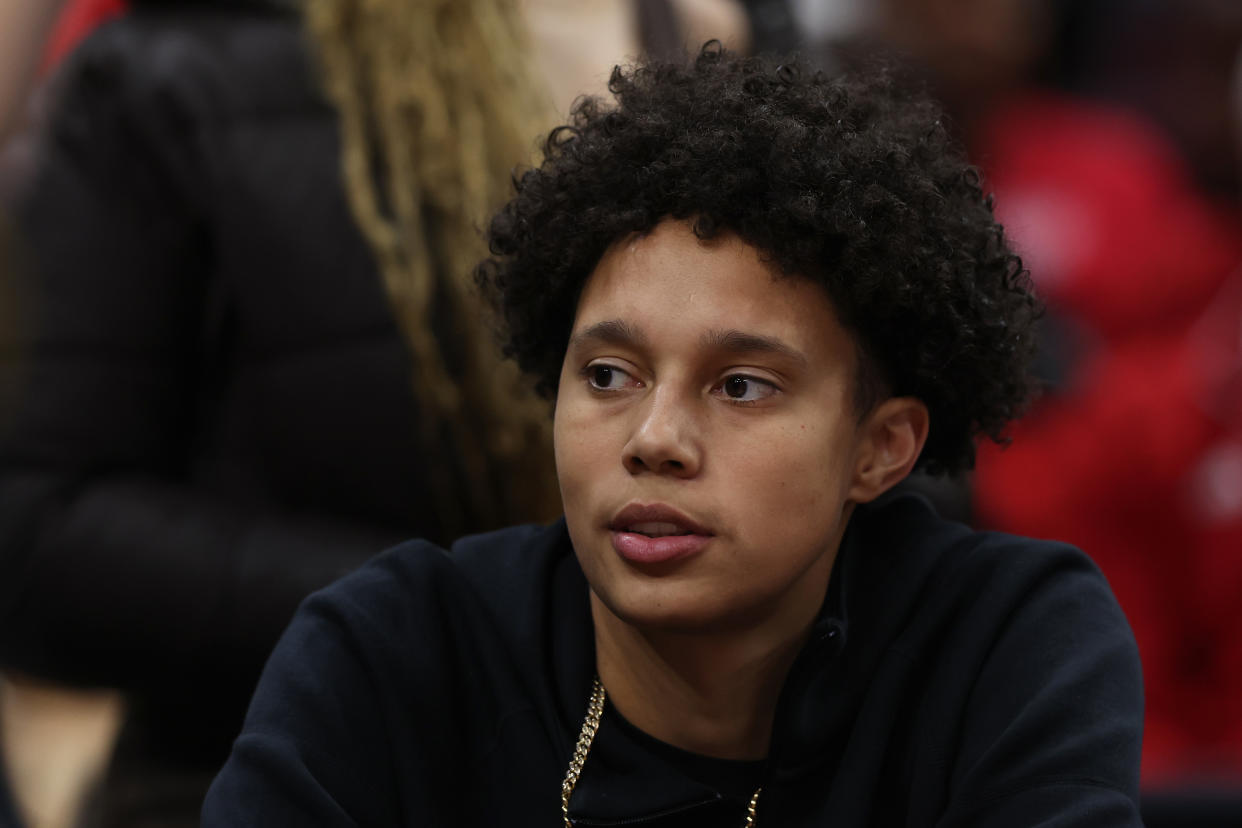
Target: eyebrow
(620, 332)
(740, 342)
(610, 332)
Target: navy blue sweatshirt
(953, 678)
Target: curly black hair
(853, 182)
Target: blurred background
(238, 353)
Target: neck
(711, 694)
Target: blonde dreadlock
(437, 103)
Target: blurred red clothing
(1105, 214)
(76, 21)
(1138, 459)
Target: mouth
(656, 534)
(657, 530)
(655, 521)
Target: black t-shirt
(735, 780)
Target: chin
(666, 608)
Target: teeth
(657, 530)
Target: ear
(890, 440)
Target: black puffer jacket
(214, 413)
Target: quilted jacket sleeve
(114, 568)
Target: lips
(656, 533)
(654, 529)
(655, 519)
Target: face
(706, 435)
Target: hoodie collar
(819, 703)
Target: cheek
(566, 449)
(579, 450)
(800, 472)
(565, 431)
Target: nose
(665, 438)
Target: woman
(758, 298)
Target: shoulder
(159, 44)
(175, 69)
(491, 560)
(1021, 644)
(908, 539)
(434, 630)
(151, 100)
(480, 577)
(422, 623)
(922, 583)
(399, 672)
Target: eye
(604, 377)
(740, 388)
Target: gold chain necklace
(595, 709)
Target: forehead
(670, 286)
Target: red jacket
(1138, 458)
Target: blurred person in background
(230, 393)
(1172, 61)
(243, 375)
(1133, 454)
(24, 27)
(1136, 455)
(8, 807)
(581, 40)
